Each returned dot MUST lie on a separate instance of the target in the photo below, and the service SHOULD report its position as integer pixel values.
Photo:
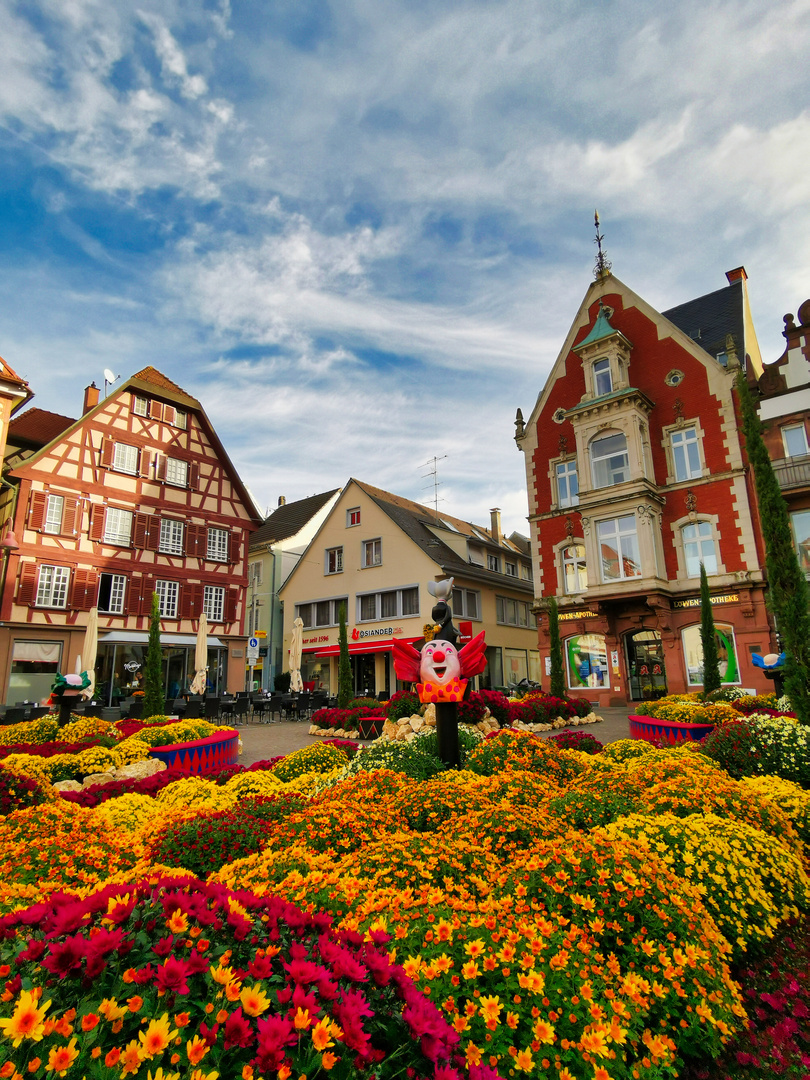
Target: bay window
(618, 548)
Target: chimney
(91, 396)
(282, 500)
(736, 274)
(495, 526)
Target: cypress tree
(154, 703)
(557, 674)
(345, 693)
(788, 596)
(711, 665)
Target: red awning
(363, 647)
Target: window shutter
(36, 510)
(146, 531)
(234, 546)
(27, 590)
(160, 467)
(196, 541)
(147, 588)
(97, 514)
(71, 516)
(146, 462)
(231, 605)
(155, 409)
(85, 584)
(169, 414)
(107, 451)
(191, 600)
(153, 534)
(133, 595)
(194, 475)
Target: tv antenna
(432, 466)
(109, 378)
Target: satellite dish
(108, 375)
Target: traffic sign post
(251, 655)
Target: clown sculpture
(441, 670)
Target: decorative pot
(200, 756)
(670, 732)
(371, 727)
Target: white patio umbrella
(199, 682)
(88, 653)
(296, 649)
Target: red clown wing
(473, 656)
(406, 661)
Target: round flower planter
(200, 756)
(652, 730)
(370, 727)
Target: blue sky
(358, 230)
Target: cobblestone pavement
(260, 741)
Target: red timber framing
(140, 493)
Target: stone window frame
(677, 530)
(666, 443)
(559, 560)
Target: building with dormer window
(636, 475)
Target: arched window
(610, 462)
(575, 575)
(699, 547)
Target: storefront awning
(141, 637)
(363, 647)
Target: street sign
(253, 643)
(252, 651)
(261, 633)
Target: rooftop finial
(603, 265)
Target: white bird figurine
(442, 590)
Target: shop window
(726, 654)
(618, 548)
(214, 603)
(567, 483)
(602, 377)
(334, 560)
(33, 667)
(686, 453)
(800, 524)
(217, 546)
(125, 458)
(372, 553)
(353, 517)
(510, 612)
(171, 537)
(575, 575)
(52, 587)
(176, 472)
(118, 526)
(111, 591)
(516, 663)
(610, 462)
(494, 563)
(794, 438)
(466, 603)
(167, 592)
(699, 547)
(586, 661)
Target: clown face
(440, 663)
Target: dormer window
(602, 377)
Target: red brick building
(636, 474)
(137, 496)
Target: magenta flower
(172, 975)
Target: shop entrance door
(363, 675)
(645, 665)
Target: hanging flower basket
(669, 732)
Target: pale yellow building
(375, 554)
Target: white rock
(95, 779)
(67, 785)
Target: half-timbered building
(136, 497)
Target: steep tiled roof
(157, 378)
(289, 519)
(37, 426)
(8, 373)
(708, 319)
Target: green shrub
(403, 703)
(399, 757)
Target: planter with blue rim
(668, 732)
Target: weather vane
(603, 265)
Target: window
(217, 549)
(618, 547)
(698, 547)
(214, 603)
(466, 604)
(586, 658)
(794, 436)
(511, 612)
(321, 612)
(372, 553)
(726, 654)
(686, 454)
(167, 598)
(575, 575)
(53, 586)
(610, 461)
(352, 517)
(526, 572)
(800, 523)
(602, 379)
(391, 604)
(117, 526)
(140, 406)
(494, 563)
(475, 554)
(171, 537)
(54, 508)
(176, 472)
(567, 483)
(254, 573)
(111, 588)
(181, 419)
(125, 458)
(510, 568)
(334, 560)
